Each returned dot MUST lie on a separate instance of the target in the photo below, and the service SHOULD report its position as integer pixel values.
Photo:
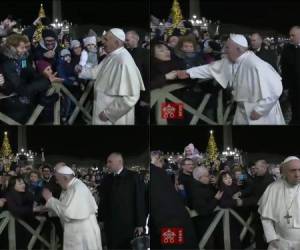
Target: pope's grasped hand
(182, 74)
(103, 117)
(274, 245)
(255, 116)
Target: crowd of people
(30, 192)
(214, 59)
(32, 61)
(194, 184)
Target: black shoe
(48, 100)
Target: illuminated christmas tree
(37, 36)
(212, 149)
(6, 152)
(176, 17)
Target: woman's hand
(171, 75)
(219, 195)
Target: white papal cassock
(77, 210)
(117, 88)
(255, 83)
(273, 207)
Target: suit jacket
(268, 56)
(142, 61)
(122, 207)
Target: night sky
(255, 139)
(100, 12)
(272, 14)
(88, 141)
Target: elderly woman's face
(162, 53)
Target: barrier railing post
(226, 230)
(11, 233)
(53, 238)
(225, 214)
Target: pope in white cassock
(118, 83)
(256, 86)
(279, 208)
(77, 210)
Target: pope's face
(232, 51)
(109, 42)
(292, 172)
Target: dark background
(253, 139)
(276, 15)
(103, 12)
(89, 141)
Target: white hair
(198, 172)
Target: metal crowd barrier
(7, 220)
(60, 89)
(164, 94)
(225, 214)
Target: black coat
(268, 56)
(122, 207)
(290, 67)
(251, 195)
(141, 59)
(204, 203)
(226, 200)
(167, 211)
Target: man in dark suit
(263, 53)
(290, 67)
(141, 58)
(122, 204)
